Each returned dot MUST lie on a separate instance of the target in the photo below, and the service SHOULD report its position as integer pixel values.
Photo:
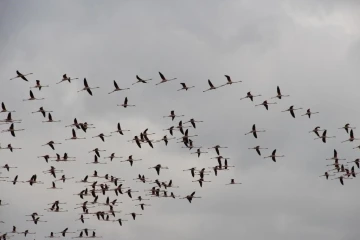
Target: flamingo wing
(116, 85)
(211, 85)
(162, 76)
(31, 94)
(85, 83)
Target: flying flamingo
(254, 131)
(112, 156)
(316, 131)
(102, 136)
(97, 151)
(347, 127)
(32, 97)
(341, 178)
(198, 152)
(184, 87)
(41, 110)
(87, 88)
(273, 156)
(38, 85)
(51, 144)
(232, 181)
(217, 147)
(142, 205)
(201, 180)
(119, 130)
(172, 115)
(279, 95)
(10, 147)
(125, 104)
(357, 162)
(291, 109)
(165, 139)
(117, 88)
(53, 186)
(3, 108)
(10, 120)
(335, 156)
(190, 197)
(133, 215)
(66, 78)
(192, 121)
(352, 138)
(50, 119)
(324, 137)
(96, 161)
(257, 148)
(229, 81)
(308, 112)
(74, 137)
(250, 96)
(140, 80)
(211, 86)
(265, 104)
(158, 167)
(326, 174)
(12, 130)
(20, 75)
(163, 79)
(131, 160)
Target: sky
(311, 49)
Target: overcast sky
(311, 49)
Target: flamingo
(53, 186)
(347, 127)
(211, 86)
(192, 121)
(279, 95)
(96, 161)
(324, 137)
(250, 96)
(51, 144)
(291, 109)
(32, 97)
(352, 138)
(163, 79)
(119, 130)
(232, 181)
(102, 136)
(201, 180)
(190, 197)
(117, 88)
(3, 108)
(131, 160)
(125, 104)
(38, 85)
(10, 147)
(74, 137)
(184, 87)
(357, 162)
(112, 156)
(87, 88)
(229, 81)
(97, 151)
(75, 124)
(142, 205)
(316, 130)
(341, 178)
(41, 110)
(10, 120)
(326, 174)
(257, 148)
(133, 215)
(50, 119)
(273, 156)
(308, 113)
(12, 130)
(66, 78)
(198, 152)
(140, 80)
(172, 115)
(335, 157)
(20, 75)
(265, 104)
(165, 139)
(254, 131)
(158, 167)
(217, 147)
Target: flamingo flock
(95, 186)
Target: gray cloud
(310, 49)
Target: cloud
(308, 49)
